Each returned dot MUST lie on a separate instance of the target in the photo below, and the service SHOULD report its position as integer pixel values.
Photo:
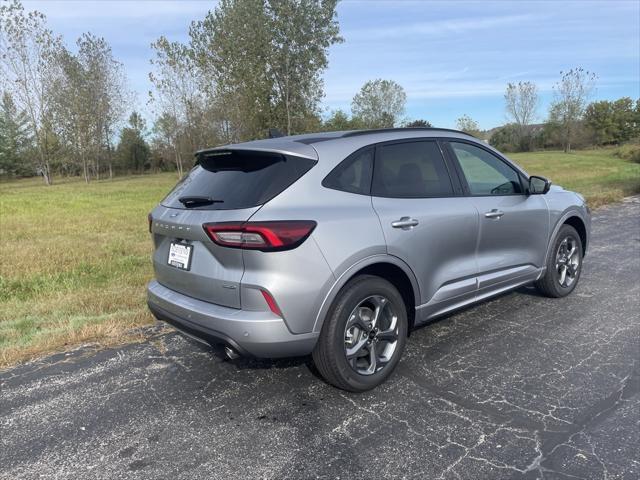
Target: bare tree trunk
(46, 172)
(85, 168)
(178, 162)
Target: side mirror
(538, 185)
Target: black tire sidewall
(564, 232)
(345, 305)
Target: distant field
(596, 174)
(75, 258)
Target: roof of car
(302, 145)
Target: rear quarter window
(352, 175)
(232, 179)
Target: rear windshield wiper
(194, 201)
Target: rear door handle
(495, 213)
(405, 223)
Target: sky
(452, 58)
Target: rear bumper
(259, 334)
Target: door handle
(405, 223)
(495, 213)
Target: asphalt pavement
(518, 387)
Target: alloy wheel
(567, 261)
(371, 335)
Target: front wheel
(363, 336)
(564, 264)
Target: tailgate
(215, 272)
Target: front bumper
(259, 334)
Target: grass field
(75, 258)
(598, 175)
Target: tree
(107, 93)
(468, 125)
(260, 61)
(379, 104)
(624, 119)
(599, 118)
(506, 138)
(27, 70)
(418, 123)
(179, 95)
(301, 33)
(133, 151)
(612, 121)
(166, 141)
(521, 103)
(571, 94)
(16, 143)
(88, 102)
(339, 120)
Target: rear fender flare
(349, 273)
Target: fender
(570, 212)
(351, 271)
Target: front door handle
(405, 223)
(495, 213)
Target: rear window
(226, 180)
(411, 170)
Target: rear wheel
(363, 336)
(564, 264)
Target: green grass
(75, 258)
(597, 174)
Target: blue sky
(452, 58)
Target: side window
(486, 174)
(411, 170)
(353, 174)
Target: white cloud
(437, 28)
(110, 9)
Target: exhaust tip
(231, 352)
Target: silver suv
(338, 244)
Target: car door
(426, 220)
(513, 226)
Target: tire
(350, 328)
(553, 284)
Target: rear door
(226, 186)
(425, 219)
(513, 228)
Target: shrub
(628, 152)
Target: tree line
(249, 66)
(572, 121)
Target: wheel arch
(391, 268)
(573, 218)
(576, 222)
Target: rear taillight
(265, 236)
(150, 219)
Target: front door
(513, 226)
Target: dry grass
(74, 261)
(75, 258)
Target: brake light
(265, 236)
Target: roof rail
(402, 129)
